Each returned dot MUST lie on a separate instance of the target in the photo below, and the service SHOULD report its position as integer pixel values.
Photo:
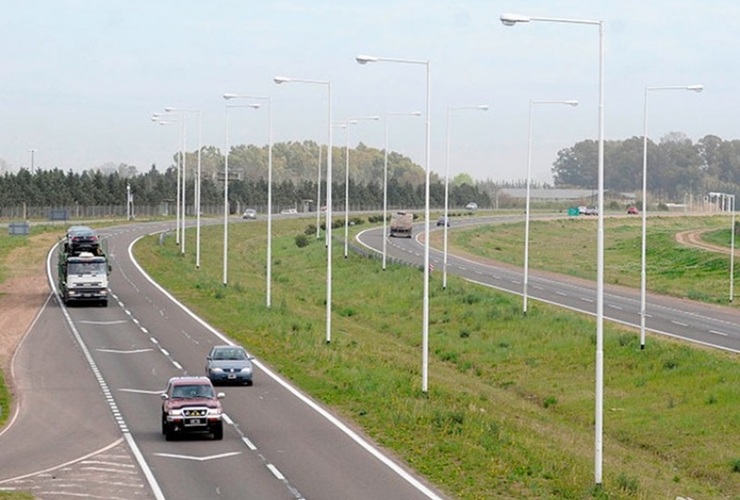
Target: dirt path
(692, 238)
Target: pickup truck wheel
(169, 434)
(218, 431)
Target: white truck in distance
(83, 268)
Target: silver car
(228, 363)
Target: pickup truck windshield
(80, 268)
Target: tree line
(676, 166)
(295, 179)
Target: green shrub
(301, 240)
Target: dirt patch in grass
(22, 294)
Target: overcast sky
(79, 80)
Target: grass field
(568, 246)
(509, 412)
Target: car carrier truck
(83, 274)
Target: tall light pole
(364, 59)
(450, 109)
(529, 181)
(33, 152)
(318, 197)
(385, 180)
(226, 182)
(182, 118)
(351, 121)
(284, 79)
(268, 293)
(643, 246)
(511, 20)
(197, 185)
(732, 248)
(169, 120)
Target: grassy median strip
(568, 246)
(509, 413)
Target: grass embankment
(568, 246)
(509, 413)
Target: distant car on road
(632, 211)
(472, 206)
(442, 221)
(190, 404)
(250, 213)
(584, 210)
(289, 211)
(229, 363)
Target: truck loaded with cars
(83, 267)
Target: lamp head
(571, 103)
(230, 96)
(415, 113)
(364, 59)
(281, 79)
(512, 19)
(169, 109)
(483, 107)
(695, 88)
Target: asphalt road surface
(89, 380)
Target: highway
(697, 322)
(89, 380)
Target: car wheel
(218, 431)
(249, 383)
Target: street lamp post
(450, 109)
(196, 187)
(169, 121)
(33, 152)
(364, 59)
(643, 246)
(284, 79)
(526, 211)
(511, 20)
(350, 121)
(732, 248)
(318, 197)
(226, 182)
(385, 180)
(268, 294)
